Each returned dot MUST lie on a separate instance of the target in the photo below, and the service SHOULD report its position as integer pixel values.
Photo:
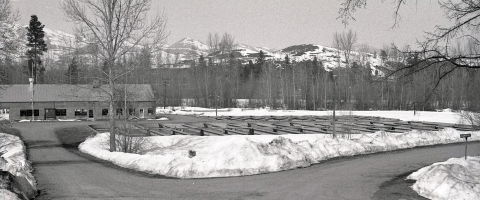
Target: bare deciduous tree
(438, 50)
(7, 33)
(118, 27)
(227, 43)
(7, 15)
(345, 41)
(364, 50)
(213, 42)
(350, 6)
(223, 44)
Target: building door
(50, 113)
(90, 113)
(142, 113)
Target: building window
(131, 111)
(119, 111)
(80, 112)
(27, 113)
(61, 112)
(104, 112)
(150, 111)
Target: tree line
(221, 80)
(306, 84)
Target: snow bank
(68, 120)
(13, 160)
(237, 155)
(7, 195)
(4, 116)
(455, 178)
(159, 119)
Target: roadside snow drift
(14, 161)
(237, 155)
(455, 178)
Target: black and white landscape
(142, 99)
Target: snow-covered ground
(13, 160)
(442, 117)
(455, 178)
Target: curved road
(64, 175)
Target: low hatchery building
(63, 101)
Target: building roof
(64, 92)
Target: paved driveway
(65, 175)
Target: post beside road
(466, 136)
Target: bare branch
(119, 27)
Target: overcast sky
(271, 23)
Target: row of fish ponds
(278, 125)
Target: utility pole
(216, 114)
(334, 106)
(125, 98)
(333, 78)
(34, 80)
(33, 94)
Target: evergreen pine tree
(287, 60)
(259, 62)
(72, 72)
(383, 56)
(261, 58)
(202, 62)
(247, 70)
(315, 67)
(36, 46)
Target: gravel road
(62, 174)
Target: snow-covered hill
(184, 49)
(60, 43)
(248, 51)
(330, 57)
(189, 43)
(187, 46)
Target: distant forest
(210, 82)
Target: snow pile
(68, 120)
(13, 159)
(7, 195)
(237, 155)
(159, 119)
(4, 116)
(455, 178)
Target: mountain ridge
(60, 43)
